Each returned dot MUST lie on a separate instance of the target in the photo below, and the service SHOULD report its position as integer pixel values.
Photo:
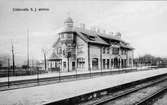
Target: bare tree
(44, 51)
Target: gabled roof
(55, 43)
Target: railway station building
(78, 48)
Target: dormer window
(91, 38)
(66, 36)
(115, 51)
(108, 50)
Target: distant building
(83, 49)
(3, 61)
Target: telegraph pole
(8, 72)
(28, 49)
(45, 60)
(13, 59)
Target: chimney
(93, 28)
(98, 30)
(118, 34)
(111, 33)
(82, 26)
(104, 31)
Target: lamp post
(76, 72)
(37, 74)
(120, 61)
(68, 56)
(59, 73)
(101, 59)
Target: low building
(78, 48)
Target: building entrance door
(108, 63)
(116, 63)
(94, 63)
(73, 65)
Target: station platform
(56, 74)
(54, 92)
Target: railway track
(147, 100)
(50, 80)
(124, 93)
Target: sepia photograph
(83, 52)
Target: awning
(54, 57)
(80, 59)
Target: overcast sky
(142, 23)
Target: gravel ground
(162, 100)
(117, 93)
(134, 97)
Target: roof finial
(68, 19)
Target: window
(59, 50)
(73, 65)
(68, 43)
(115, 51)
(103, 63)
(69, 36)
(108, 63)
(112, 62)
(94, 63)
(125, 52)
(122, 52)
(64, 64)
(103, 50)
(108, 50)
(68, 54)
(64, 52)
(80, 62)
(62, 36)
(130, 61)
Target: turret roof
(68, 20)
